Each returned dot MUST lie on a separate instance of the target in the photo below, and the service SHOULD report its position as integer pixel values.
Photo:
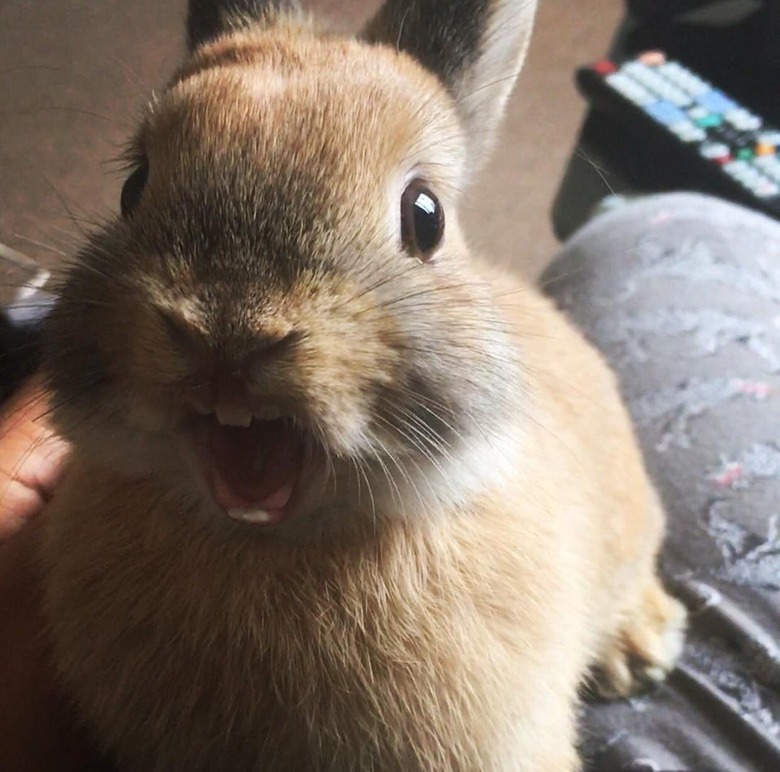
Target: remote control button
(766, 189)
(634, 69)
(695, 87)
(754, 180)
(769, 165)
(743, 120)
(684, 79)
(769, 138)
(745, 154)
(688, 132)
(630, 89)
(717, 102)
(765, 149)
(605, 67)
(741, 171)
(774, 176)
(751, 179)
(643, 74)
(709, 121)
(716, 151)
(666, 113)
(767, 162)
(676, 96)
(651, 80)
(653, 58)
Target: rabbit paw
(646, 647)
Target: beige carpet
(72, 73)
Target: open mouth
(252, 465)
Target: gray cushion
(682, 294)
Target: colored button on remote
(653, 58)
(709, 121)
(715, 151)
(666, 113)
(605, 67)
(717, 102)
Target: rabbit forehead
(337, 107)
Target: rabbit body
(429, 606)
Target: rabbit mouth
(251, 470)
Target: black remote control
(724, 148)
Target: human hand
(31, 457)
(37, 731)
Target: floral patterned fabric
(682, 294)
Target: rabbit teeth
(228, 415)
(233, 416)
(251, 516)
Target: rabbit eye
(422, 221)
(132, 189)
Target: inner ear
(208, 19)
(475, 47)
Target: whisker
(63, 109)
(40, 244)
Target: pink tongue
(254, 467)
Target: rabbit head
(285, 326)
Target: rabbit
(342, 495)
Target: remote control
(723, 148)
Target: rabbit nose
(229, 391)
(255, 348)
(231, 364)
(231, 374)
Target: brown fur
(444, 623)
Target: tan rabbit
(343, 496)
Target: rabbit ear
(476, 47)
(208, 19)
